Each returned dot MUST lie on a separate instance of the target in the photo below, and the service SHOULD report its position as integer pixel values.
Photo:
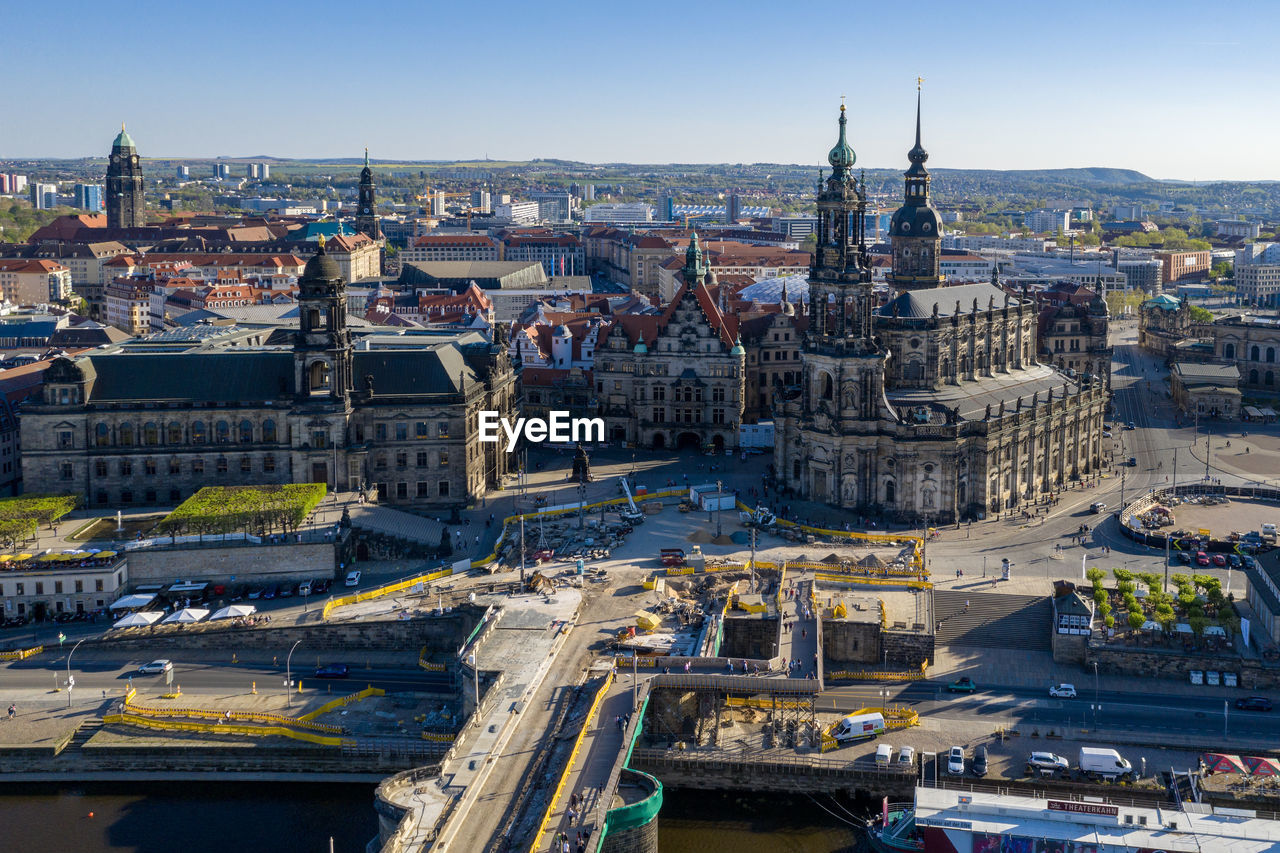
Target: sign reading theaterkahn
(1083, 808)
(559, 428)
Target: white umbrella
(136, 620)
(186, 616)
(129, 602)
(1151, 626)
(234, 611)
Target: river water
(294, 817)
(186, 817)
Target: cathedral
(932, 407)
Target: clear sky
(1174, 89)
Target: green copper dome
(123, 139)
(841, 156)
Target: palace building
(934, 406)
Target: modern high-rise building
(221, 171)
(89, 197)
(183, 173)
(126, 203)
(555, 206)
(44, 196)
(733, 209)
(589, 192)
(481, 201)
(254, 171)
(264, 170)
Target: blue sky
(1174, 89)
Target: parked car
(285, 590)
(271, 592)
(1184, 557)
(256, 593)
(1235, 561)
(333, 670)
(353, 579)
(980, 760)
(1219, 561)
(1047, 762)
(320, 586)
(907, 757)
(1254, 703)
(156, 667)
(1130, 425)
(304, 588)
(962, 685)
(1106, 433)
(1133, 462)
(1202, 559)
(955, 761)
(1063, 691)
(884, 755)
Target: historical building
(1073, 331)
(674, 379)
(1162, 322)
(396, 415)
(126, 204)
(1251, 342)
(933, 406)
(367, 206)
(772, 343)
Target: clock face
(366, 210)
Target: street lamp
(288, 675)
(719, 489)
(1095, 693)
(71, 681)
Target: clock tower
(126, 205)
(367, 212)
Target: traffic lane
(207, 677)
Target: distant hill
(1088, 175)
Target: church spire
(841, 156)
(693, 269)
(366, 148)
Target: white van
(907, 758)
(858, 726)
(884, 754)
(1269, 531)
(1104, 763)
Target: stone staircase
(84, 731)
(396, 523)
(993, 620)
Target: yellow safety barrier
(854, 675)
(439, 737)
(345, 700)
(21, 654)
(884, 614)
(763, 704)
(568, 766)
(429, 666)
(208, 728)
(381, 591)
(827, 577)
(679, 570)
(243, 716)
(856, 571)
(895, 718)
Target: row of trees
(249, 509)
(1198, 598)
(20, 517)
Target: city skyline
(1005, 87)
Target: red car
(1202, 559)
(1219, 560)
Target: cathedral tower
(322, 348)
(126, 205)
(367, 212)
(913, 233)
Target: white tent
(235, 610)
(186, 616)
(1182, 628)
(131, 602)
(1151, 626)
(137, 620)
(1215, 631)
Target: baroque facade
(933, 406)
(398, 418)
(674, 379)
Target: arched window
(1271, 355)
(126, 435)
(890, 493)
(102, 435)
(319, 376)
(150, 434)
(222, 432)
(1269, 379)
(1253, 354)
(1253, 376)
(246, 431)
(827, 384)
(175, 433)
(268, 430)
(1229, 351)
(198, 433)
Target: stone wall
(1069, 648)
(639, 839)
(750, 637)
(247, 563)
(846, 642)
(445, 632)
(907, 648)
(1154, 664)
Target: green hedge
(250, 509)
(43, 508)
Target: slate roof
(918, 304)
(190, 377)
(438, 370)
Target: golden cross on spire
(919, 83)
(842, 101)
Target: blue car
(333, 670)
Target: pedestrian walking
(13, 709)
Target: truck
(672, 556)
(857, 726)
(1269, 532)
(632, 514)
(1103, 763)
